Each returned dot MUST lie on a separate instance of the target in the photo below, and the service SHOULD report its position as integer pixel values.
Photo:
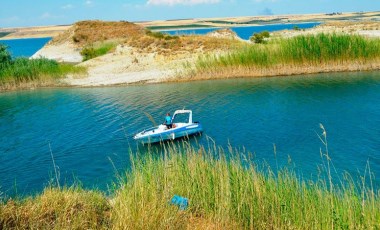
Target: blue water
(90, 129)
(25, 47)
(246, 31)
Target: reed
(301, 54)
(226, 190)
(24, 72)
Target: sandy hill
(136, 54)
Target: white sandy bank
(64, 52)
(126, 65)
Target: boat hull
(169, 134)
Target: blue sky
(46, 12)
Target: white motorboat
(183, 125)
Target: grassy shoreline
(231, 193)
(21, 73)
(223, 58)
(305, 54)
(26, 74)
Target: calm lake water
(90, 129)
(25, 47)
(246, 31)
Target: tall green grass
(23, 71)
(235, 194)
(329, 47)
(305, 50)
(226, 190)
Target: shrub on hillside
(5, 56)
(260, 37)
(160, 35)
(91, 52)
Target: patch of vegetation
(167, 44)
(3, 34)
(68, 208)
(20, 72)
(260, 37)
(93, 35)
(304, 50)
(330, 47)
(160, 35)
(5, 56)
(270, 21)
(86, 33)
(177, 27)
(224, 193)
(222, 22)
(94, 51)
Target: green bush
(296, 28)
(160, 35)
(88, 53)
(260, 37)
(5, 56)
(265, 34)
(92, 51)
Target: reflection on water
(90, 130)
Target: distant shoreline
(141, 56)
(220, 22)
(233, 26)
(15, 38)
(33, 32)
(179, 28)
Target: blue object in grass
(180, 201)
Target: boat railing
(148, 129)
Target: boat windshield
(181, 118)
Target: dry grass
(350, 26)
(57, 209)
(88, 32)
(182, 44)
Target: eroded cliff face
(64, 52)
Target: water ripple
(89, 128)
